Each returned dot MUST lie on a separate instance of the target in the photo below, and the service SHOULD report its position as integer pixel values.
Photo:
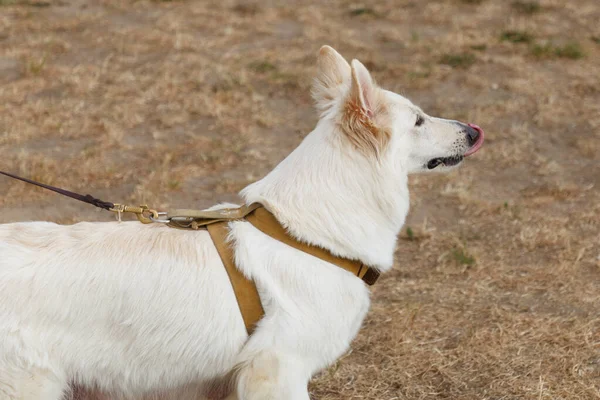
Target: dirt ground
(496, 289)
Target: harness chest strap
(266, 222)
(245, 289)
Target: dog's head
(383, 124)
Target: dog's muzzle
(474, 135)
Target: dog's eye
(420, 120)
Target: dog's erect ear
(364, 118)
(332, 80)
(362, 89)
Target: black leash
(88, 198)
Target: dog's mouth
(445, 161)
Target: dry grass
(496, 290)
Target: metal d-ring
(159, 217)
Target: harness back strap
(244, 289)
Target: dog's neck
(328, 195)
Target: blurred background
(496, 290)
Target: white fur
(133, 309)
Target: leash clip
(147, 215)
(144, 214)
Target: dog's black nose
(472, 134)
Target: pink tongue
(479, 141)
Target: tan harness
(216, 222)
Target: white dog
(135, 309)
